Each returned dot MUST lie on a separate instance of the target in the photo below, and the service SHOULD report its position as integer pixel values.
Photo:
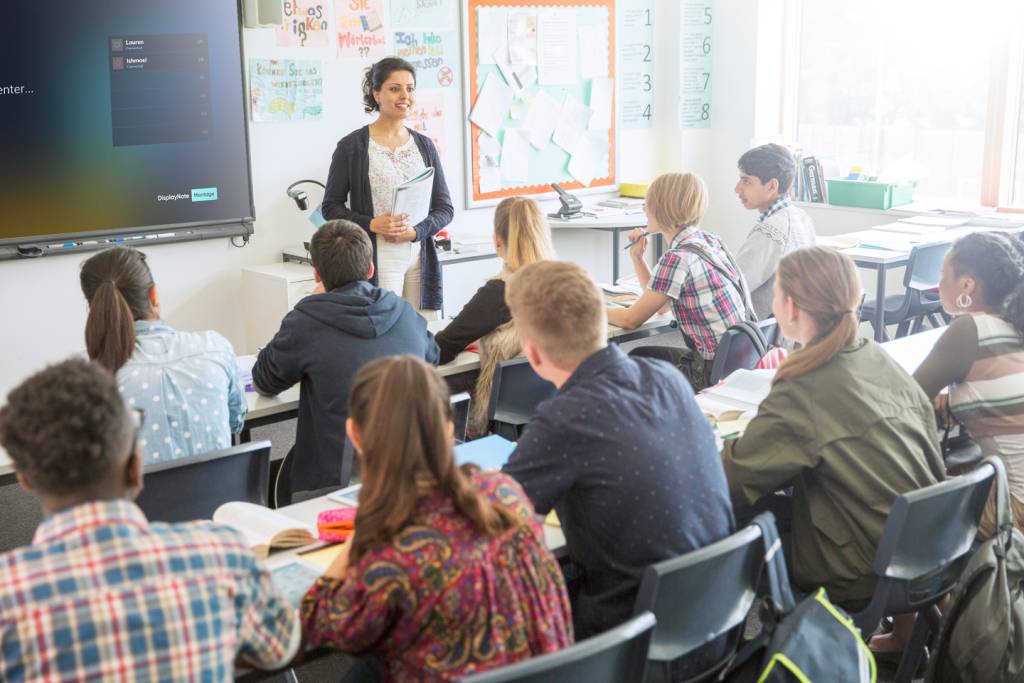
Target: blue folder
(490, 452)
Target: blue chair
(615, 656)
(924, 270)
(925, 544)
(701, 596)
(193, 487)
(515, 393)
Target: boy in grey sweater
(766, 176)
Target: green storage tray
(869, 195)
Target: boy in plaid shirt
(697, 277)
(101, 594)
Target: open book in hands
(413, 196)
(264, 528)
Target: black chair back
(741, 347)
(615, 656)
(924, 266)
(193, 487)
(702, 595)
(515, 393)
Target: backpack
(981, 637)
(811, 641)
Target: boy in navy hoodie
(324, 341)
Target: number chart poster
(636, 63)
(361, 32)
(434, 54)
(286, 90)
(305, 24)
(696, 33)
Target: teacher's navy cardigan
(348, 196)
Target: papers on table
(600, 104)
(490, 452)
(556, 47)
(910, 228)
(293, 577)
(413, 196)
(245, 364)
(741, 391)
(491, 105)
(935, 221)
(347, 496)
(515, 157)
(540, 121)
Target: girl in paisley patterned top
(447, 572)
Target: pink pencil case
(336, 525)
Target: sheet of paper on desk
(490, 452)
(593, 51)
(515, 157)
(556, 47)
(492, 105)
(572, 123)
(540, 120)
(346, 496)
(322, 557)
(600, 104)
(293, 578)
(935, 221)
(899, 227)
(245, 364)
(743, 387)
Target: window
(913, 89)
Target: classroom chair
(281, 491)
(515, 393)
(924, 270)
(699, 597)
(925, 544)
(619, 654)
(193, 487)
(740, 347)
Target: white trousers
(398, 269)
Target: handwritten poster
(636, 60)
(428, 118)
(361, 33)
(422, 13)
(696, 32)
(286, 90)
(305, 24)
(434, 54)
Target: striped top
(987, 397)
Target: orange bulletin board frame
(474, 196)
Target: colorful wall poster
(361, 32)
(422, 13)
(286, 90)
(434, 54)
(427, 117)
(305, 24)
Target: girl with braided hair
(980, 357)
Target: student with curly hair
(367, 166)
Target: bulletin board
(496, 165)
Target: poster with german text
(361, 32)
(305, 24)
(434, 55)
(286, 90)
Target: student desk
(264, 410)
(612, 224)
(882, 260)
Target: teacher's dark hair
(376, 74)
(116, 283)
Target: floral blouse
(390, 169)
(442, 601)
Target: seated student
(980, 356)
(101, 594)
(766, 177)
(844, 425)
(324, 341)
(521, 237)
(696, 275)
(621, 451)
(187, 382)
(447, 572)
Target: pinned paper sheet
(519, 78)
(556, 47)
(515, 157)
(522, 38)
(593, 51)
(572, 122)
(541, 119)
(600, 104)
(491, 105)
(492, 29)
(490, 150)
(582, 165)
(490, 178)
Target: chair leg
(914, 651)
(902, 328)
(918, 326)
(290, 676)
(934, 320)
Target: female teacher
(368, 164)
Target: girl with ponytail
(980, 356)
(447, 571)
(186, 382)
(844, 425)
(521, 237)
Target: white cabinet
(269, 292)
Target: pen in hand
(646, 233)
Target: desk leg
(615, 256)
(880, 304)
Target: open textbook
(413, 196)
(264, 528)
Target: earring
(964, 300)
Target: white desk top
(851, 243)
(632, 220)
